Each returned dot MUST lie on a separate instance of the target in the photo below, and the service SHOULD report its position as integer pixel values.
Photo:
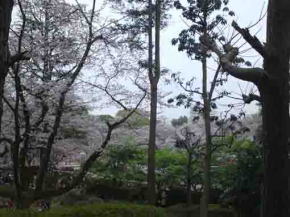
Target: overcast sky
(247, 12)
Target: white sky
(247, 12)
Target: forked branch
(227, 56)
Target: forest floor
(182, 210)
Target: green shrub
(94, 210)
(18, 213)
(182, 210)
(76, 197)
(216, 211)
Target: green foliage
(95, 210)
(179, 121)
(76, 197)
(138, 119)
(125, 164)
(182, 210)
(235, 169)
(170, 167)
(18, 213)
(203, 19)
(122, 162)
(106, 118)
(72, 132)
(238, 172)
(135, 22)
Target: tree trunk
(152, 146)
(207, 154)
(154, 79)
(23, 203)
(151, 194)
(6, 7)
(275, 107)
(272, 81)
(275, 100)
(5, 20)
(188, 184)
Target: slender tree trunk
(47, 72)
(23, 203)
(275, 100)
(188, 184)
(207, 153)
(154, 76)
(152, 146)
(5, 20)
(151, 193)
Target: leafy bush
(238, 173)
(76, 197)
(182, 210)
(138, 119)
(95, 210)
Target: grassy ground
(93, 210)
(182, 210)
(119, 209)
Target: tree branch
(89, 162)
(247, 74)
(213, 84)
(6, 150)
(251, 97)
(19, 57)
(252, 40)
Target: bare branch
(19, 57)
(92, 158)
(252, 40)
(6, 150)
(8, 104)
(4, 139)
(247, 74)
(213, 84)
(251, 97)
(105, 89)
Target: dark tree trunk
(5, 20)
(23, 203)
(188, 181)
(275, 100)
(152, 146)
(275, 195)
(273, 83)
(151, 193)
(154, 76)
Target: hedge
(94, 210)
(181, 210)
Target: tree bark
(6, 7)
(151, 193)
(188, 184)
(207, 153)
(275, 100)
(272, 82)
(152, 146)
(154, 76)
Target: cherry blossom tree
(41, 97)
